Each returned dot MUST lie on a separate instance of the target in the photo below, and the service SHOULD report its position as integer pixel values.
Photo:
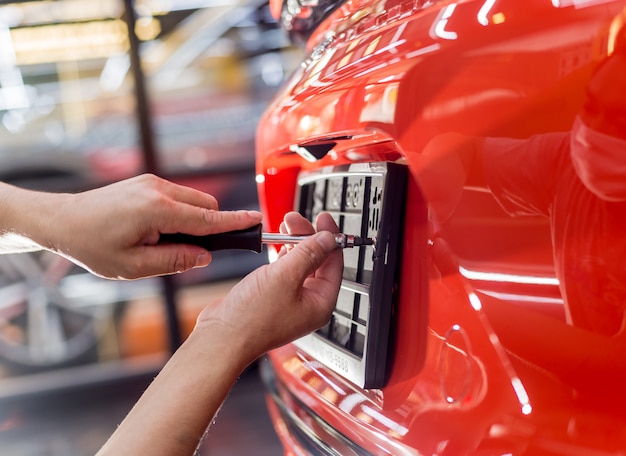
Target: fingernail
(255, 214)
(327, 240)
(203, 260)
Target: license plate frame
(368, 200)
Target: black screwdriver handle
(247, 239)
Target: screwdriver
(253, 239)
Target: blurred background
(90, 93)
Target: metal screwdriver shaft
(342, 240)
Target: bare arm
(270, 307)
(113, 231)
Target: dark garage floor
(76, 421)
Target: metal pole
(151, 162)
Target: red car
(482, 145)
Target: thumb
(308, 255)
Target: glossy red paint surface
(491, 355)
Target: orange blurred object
(143, 329)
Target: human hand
(114, 231)
(284, 300)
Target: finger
(197, 221)
(296, 224)
(284, 249)
(320, 289)
(331, 272)
(325, 222)
(307, 256)
(170, 259)
(222, 221)
(190, 195)
(325, 283)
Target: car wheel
(52, 313)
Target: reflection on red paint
(511, 118)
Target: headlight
(301, 17)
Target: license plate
(365, 199)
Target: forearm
(174, 412)
(114, 231)
(26, 219)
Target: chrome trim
(298, 429)
(356, 169)
(355, 287)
